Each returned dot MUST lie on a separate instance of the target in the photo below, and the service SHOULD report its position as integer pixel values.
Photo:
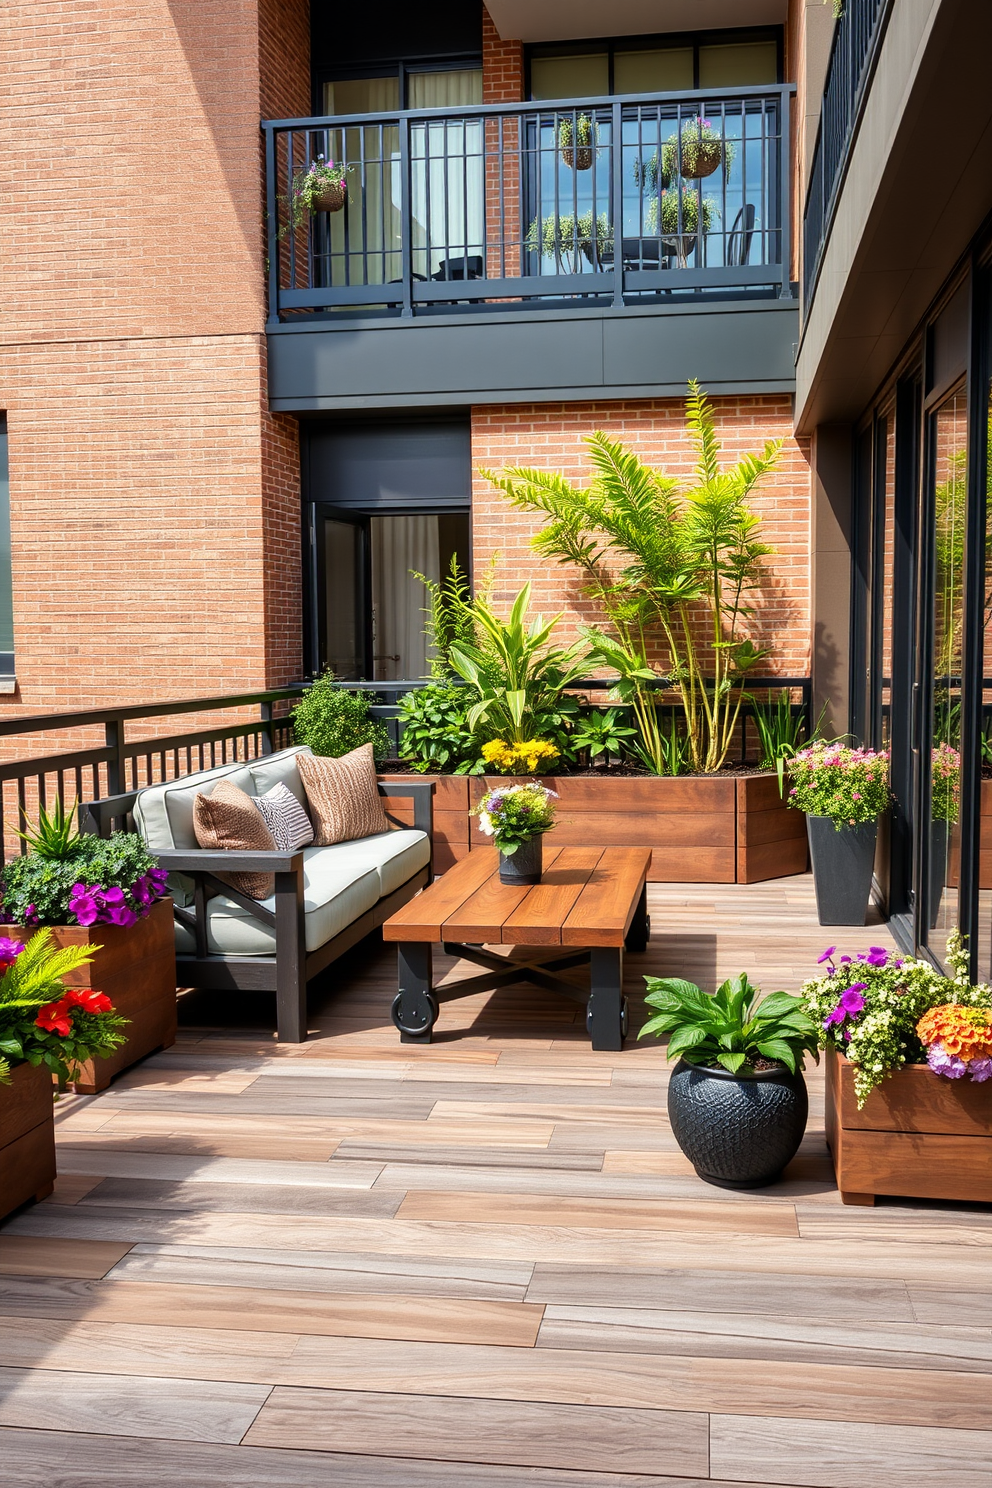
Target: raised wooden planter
(27, 1137)
(136, 968)
(701, 829)
(918, 1137)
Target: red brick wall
(154, 499)
(502, 65)
(550, 436)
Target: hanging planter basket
(577, 152)
(699, 158)
(330, 198)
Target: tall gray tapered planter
(842, 865)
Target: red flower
(89, 1000)
(56, 1017)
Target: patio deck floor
(478, 1264)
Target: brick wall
(154, 499)
(502, 65)
(550, 436)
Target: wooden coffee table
(590, 906)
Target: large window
(655, 64)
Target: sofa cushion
(343, 795)
(337, 890)
(395, 856)
(163, 814)
(285, 818)
(226, 819)
(280, 769)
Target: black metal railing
(856, 42)
(586, 201)
(119, 763)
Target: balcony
(609, 208)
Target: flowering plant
(850, 786)
(100, 881)
(41, 1020)
(870, 1006)
(525, 758)
(309, 186)
(512, 814)
(945, 778)
(958, 1041)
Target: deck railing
(856, 43)
(585, 201)
(94, 769)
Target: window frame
(399, 69)
(673, 40)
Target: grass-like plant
(56, 834)
(725, 1029)
(680, 564)
(780, 732)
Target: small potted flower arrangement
(516, 818)
(908, 1055)
(577, 142)
(320, 188)
(46, 1029)
(737, 1100)
(843, 792)
(109, 897)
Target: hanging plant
(563, 237)
(693, 154)
(576, 144)
(319, 188)
(679, 212)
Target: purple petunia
(942, 1063)
(851, 1002)
(84, 904)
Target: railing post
(406, 217)
(785, 193)
(616, 207)
(272, 225)
(265, 718)
(116, 765)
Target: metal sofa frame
(292, 967)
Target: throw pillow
(343, 795)
(285, 818)
(229, 821)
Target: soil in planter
(596, 772)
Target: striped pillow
(285, 818)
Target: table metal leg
(640, 926)
(414, 1010)
(606, 1010)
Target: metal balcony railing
(584, 202)
(857, 38)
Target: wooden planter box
(27, 1137)
(701, 829)
(918, 1137)
(136, 968)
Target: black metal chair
(739, 240)
(464, 266)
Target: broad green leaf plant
(726, 1029)
(659, 559)
(516, 671)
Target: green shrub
(37, 890)
(436, 738)
(334, 721)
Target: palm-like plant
(655, 558)
(517, 672)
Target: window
(455, 86)
(655, 64)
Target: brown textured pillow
(343, 796)
(229, 821)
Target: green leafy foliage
(602, 734)
(726, 1028)
(449, 616)
(436, 738)
(56, 834)
(659, 561)
(32, 982)
(780, 731)
(565, 236)
(518, 674)
(334, 721)
(36, 889)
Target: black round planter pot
(737, 1131)
(525, 866)
(842, 868)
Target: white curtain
(446, 170)
(370, 251)
(399, 545)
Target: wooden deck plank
(619, 1213)
(22, 1255)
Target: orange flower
(964, 1031)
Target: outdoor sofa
(325, 899)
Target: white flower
(486, 823)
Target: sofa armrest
(421, 793)
(207, 860)
(97, 818)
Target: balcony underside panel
(731, 347)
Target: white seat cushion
(340, 884)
